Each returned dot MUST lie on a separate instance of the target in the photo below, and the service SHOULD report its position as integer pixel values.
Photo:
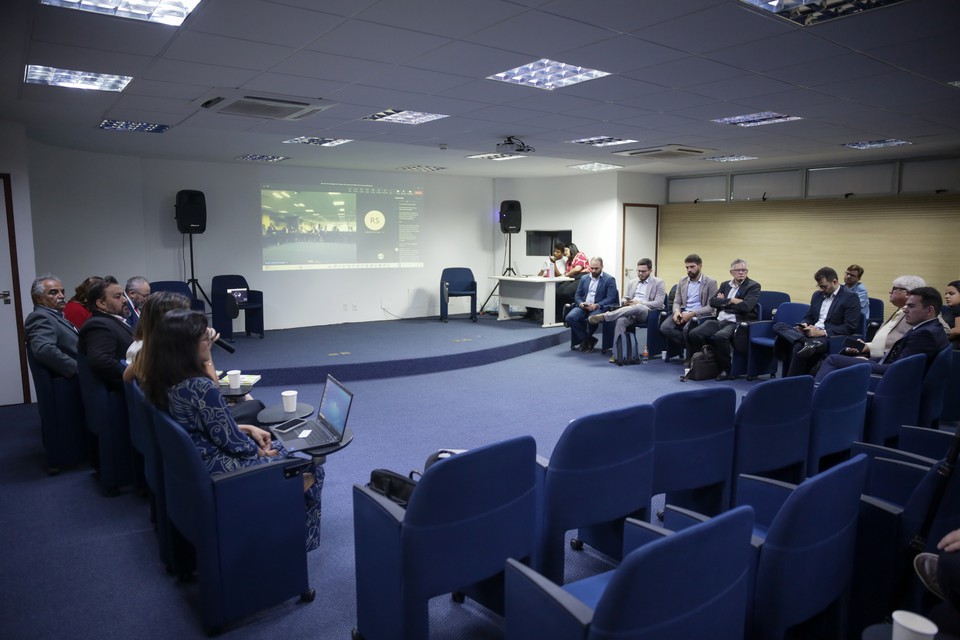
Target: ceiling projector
(514, 145)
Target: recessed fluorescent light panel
(404, 117)
(421, 168)
(730, 158)
(602, 141)
(125, 125)
(876, 144)
(809, 12)
(172, 12)
(757, 119)
(321, 142)
(595, 166)
(495, 156)
(259, 157)
(548, 74)
(36, 74)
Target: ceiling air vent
(262, 106)
(664, 152)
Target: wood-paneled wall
(786, 241)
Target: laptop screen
(335, 404)
(239, 294)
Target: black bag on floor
(396, 487)
(626, 350)
(703, 365)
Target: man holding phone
(834, 311)
(925, 335)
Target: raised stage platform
(391, 348)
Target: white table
(531, 291)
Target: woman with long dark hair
(176, 380)
(951, 312)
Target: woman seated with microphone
(176, 380)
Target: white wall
(590, 206)
(13, 160)
(97, 214)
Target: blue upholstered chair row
(106, 416)
(62, 424)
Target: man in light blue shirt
(851, 280)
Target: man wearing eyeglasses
(735, 302)
(896, 325)
(924, 335)
(51, 337)
(834, 311)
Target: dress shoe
(724, 375)
(596, 318)
(925, 564)
(810, 347)
(587, 345)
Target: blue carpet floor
(77, 565)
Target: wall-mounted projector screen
(340, 226)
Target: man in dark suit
(735, 302)
(595, 294)
(834, 311)
(52, 338)
(925, 336)
(105, 337)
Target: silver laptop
(327, 429)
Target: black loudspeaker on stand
(509, 225)
(191, 216)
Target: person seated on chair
(106, 336)
(644, 293)
(950, 313)
(834, 311)
(692, 300)
(925, 336)
(577, 264)
(176, 380)
(76, 310)
(896, 325)
(851, 280)
(52, 338)
(558, 262)
(594, 295)
(244, 410)
(137, 290)
(940, 574)
(735, 302)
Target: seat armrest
(761, 329)
(931, 443)
(678, 518)
(766, 496)
(535, 607)
(893, 481)
(879, 451)
(637, 533)
(377, 525)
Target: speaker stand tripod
(509, 270)
(194, 284)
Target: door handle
(5, 296)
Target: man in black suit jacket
(52, 338)
(834, 311)
(735, 302)
(105, 336)
(926, 335)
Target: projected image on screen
(343, 226)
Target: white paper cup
(911, 626)
(233, 377)
(289, 401)
(663, 356)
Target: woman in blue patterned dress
(177, 381)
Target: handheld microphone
(226, 346)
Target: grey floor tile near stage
(77, 565)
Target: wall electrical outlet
(344, 306)
(354, 307)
